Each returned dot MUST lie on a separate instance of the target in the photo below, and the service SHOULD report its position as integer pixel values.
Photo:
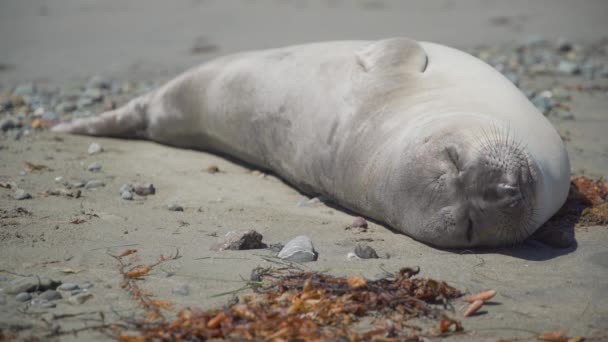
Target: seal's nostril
(470, 231)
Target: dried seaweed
(291, 304)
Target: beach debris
(94, 148)
(473, 308)
(289, 304)
(240, 240)
(63, 192)
(364, 251)
(173, 206)
(299, 249)
(144, 189)
(484, 296)
(21, 194)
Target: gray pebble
(77, 184)
(94, 167)
(50, 295)
(365, 252)
(99, 82)
(66, 107)
(2, 299)
(48, 305)
(38, 301)
(7, 123)
(92, 184)
(126, 187)
(80, 298)
(144, 189)
(95, 148)
(94, 94)
(67, 287)
(86, 285)
(568, 67)
(299, 249)
(127, 195)
(175, 207)
(564, 115)
(21, 194)
(23, 297)
(359, 222)
(181, 289)
(84, 102)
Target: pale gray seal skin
(425, 138)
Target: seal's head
(474, 186)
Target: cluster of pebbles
(44, 292)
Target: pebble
(21, 194)
(299, 249)
(48, 305)
(80, 298)
(7, 123)
(126, 195)
(94, 94)
(359, 222)
(364, 251)
(92, 184)
(564, 115)
(67, 287)
(95, 148)
(181, 289)
(31, 284)
(86, 285)
(77, 184)
(2, 299)
(126, 187)
(175, 207)
(99, 82)
(144, 189)
(50, 295)
(240, 240)
(23, 297)
(94, 167)
(568, 67)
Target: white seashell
(299, 249)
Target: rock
(359, 222)
(94, 167)
(126, 195)
(542, 102)
(213, 169)
(144, 189)
(240, 240)
(86, 285)
(28, 89)
(50, 295)
(31, 284)
(23, 297)
(66, 107)
(365, 252)
(94, 94)
(84, 102)
(181, 289)
(95, 148)
(76, 185)
(276, 247)
(7, 124)
(92, 184)
(568, 67)
(175, 207)
(48, 305)
(80, 298)
(67, 287)
(21, 194)
(126, 187)
(299, 249)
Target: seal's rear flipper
(128, 121)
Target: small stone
(25, 90)
(276, 247)
(94, 167)
(543, 103)
(58, 179)
(86, 285)
(66, 107)
(144, 189)
(213, 169)
(126, 195)
(2, 299)
(7, 124)
(93, 94)
(31, 284)
(99, 82)
(299, 249)
(21, 194)
(67, 287)
(77, 185)
(95, 148)
(80, 298)
(310, 203)
(126, 187)
(36, 124)
(359, 222)
(50, 295)
(181, 289)
(175, 207)
(23, 297)
(48, 305)
(568, 67)
(240, 240)
(365, 252)
(84, 102)
(92, 184)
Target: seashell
(299, 249)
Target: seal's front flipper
(395, 53)
(128, 121)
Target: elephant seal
(425, 138)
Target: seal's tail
(128, 121)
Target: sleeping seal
(425, 138)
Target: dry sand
(539, 288)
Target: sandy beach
(137, 44)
